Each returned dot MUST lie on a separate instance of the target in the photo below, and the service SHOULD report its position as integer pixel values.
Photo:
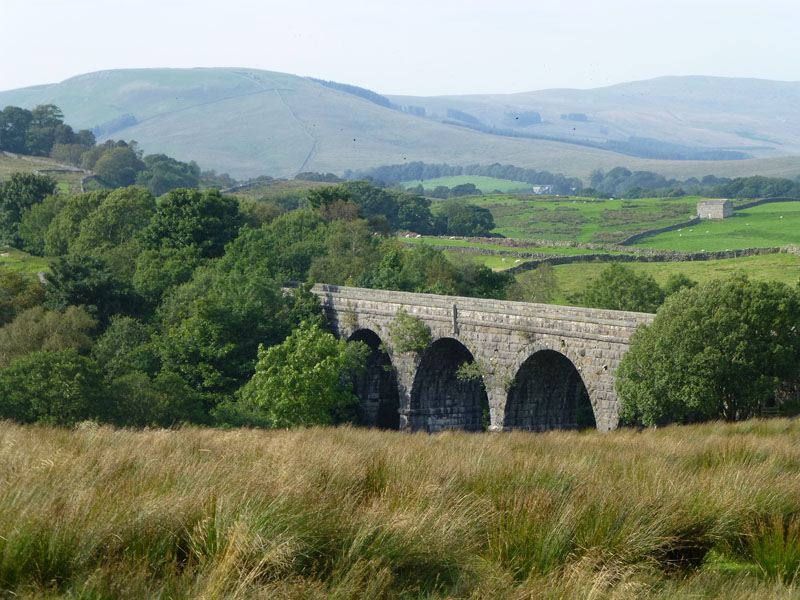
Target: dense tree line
(39, 130)
(42, 132)
(417, 170)
(623, 183)
(159, 307)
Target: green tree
(58, 388)
(323, 197)
(352, 250)
(35, 222)
(37, 329)
(186, 217)
(119, 166)
(87, 281)
(116, 221)
(212, 330)
(14, 124)
(20, 192)
(676, 282)
(471, 220)
(620, 288)
(163, 173)
(65, 226)
(717, 350)
(536, 285)
(126, 347)
(17, 293)
(159, 270)
(306, 380)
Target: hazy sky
(421, 47)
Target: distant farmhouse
(715, 209)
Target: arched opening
(548, 393)
(440, 399)
(376, 387)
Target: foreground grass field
(687, 512)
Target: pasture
(779, 267)
(583, 219)
(768, 225)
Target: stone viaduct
(536, 366)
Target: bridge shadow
(439, 398)
(376, 388)
(548, 393)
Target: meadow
(583, 219)
(778, 267)
(709, 511)
(768, 225)
(68, 183)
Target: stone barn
(715, 209)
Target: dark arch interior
(548, 393)
(376, 388)
(439, 399)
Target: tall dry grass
(686, 512)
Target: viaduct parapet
(533, 366)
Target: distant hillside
(248, 122)
(688, 117)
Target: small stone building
(715, 209)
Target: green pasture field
(496, 263)
(485, 184)
(780, 267)
(768, 225)
(17, 260)
(68, 183)
(566, 250)
(583, 219)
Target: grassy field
(68, 183)
(583, 219)
(768, 225)
(565, 250)
(486, 184)
(17, 260)
(780, 267)
(682, 512)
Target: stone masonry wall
(500, 335)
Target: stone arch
(376, 388)
(439, 399)
(548, 392)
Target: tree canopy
(714, 351)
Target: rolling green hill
(249, 122)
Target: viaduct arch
(535, 366)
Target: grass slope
(779, 267)
(583, 219)
(683, 512)
(249, 122)
(68, 183)
(754, 116)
